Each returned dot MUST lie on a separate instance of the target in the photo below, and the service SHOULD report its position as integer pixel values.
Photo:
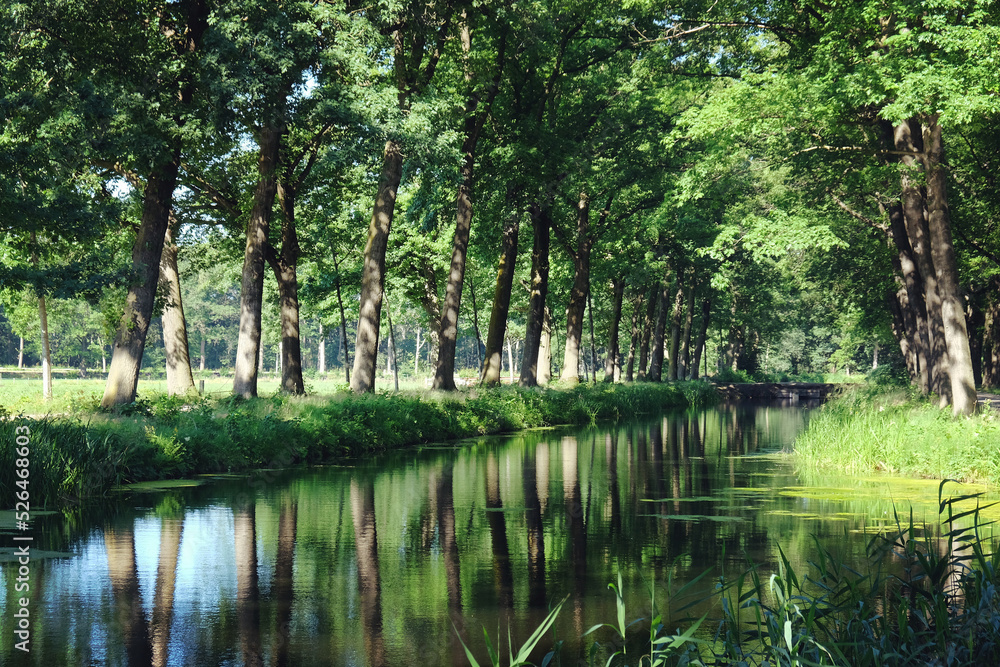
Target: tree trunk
(908, 138)
(633, 341)
(684, 362)
(321, 352)
(343, 320)
(475, 325)
(915, 313)
(130, 339)
(201, 363)
(612, 365)
(501, 301)
(578, 294)
(180, 381)
(541, 222)
(675, 326)
(545, 345)
(373, 276)
(284, 266)
(43, 319)
(20, 353)
(252, 287)
(510, 361)
(593, 348)
(699, 346)
(975, 322)
(416, 355)
(392, 350)
(991, 335)
(656, 353)
(444, 371)
(648, 325)
(963, 385)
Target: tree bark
(915, 313)
(975, 322)
(373, 276)
(991, 336)
(612, 365)
(656, 353)
(648, 325)
(130, 339)
(684, 362)
(545, 345)
(475, 325)
(908, 138)
(634, 340)
(252, 286)
(699, 346)
(501, 301)
(392, 351)
(675, 326)
(963, 385)
(541, 222)
(20, 353)
(284, 266)
(343, 320)
(180, 380)
(578, 294)
(321, 352)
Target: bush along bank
(876, 430)
(86, 455)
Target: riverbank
(870, 430)
(88, 453)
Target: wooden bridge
(789, 391)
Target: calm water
(377, 564)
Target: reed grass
(918, 599)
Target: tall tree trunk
(475, 325)
(612, 365)
(656, 353)
(444, 371)
(284, 264)
(373, 275)
(392, 348)
(991, 335)
(130, 339)
(908, 139)
(545, 345)
(915, 313)
(321, 353)
(541, 222)
(43, 320)
(593, 348)
(501, 300)
(343, 320)
(684, 362)
(699, 346)
(201, 363)
(578, 294)
(180, 380)
(963, 385)
(648, 325)
(252, 286)
(20, 353)
(675, 325)
(634, 340)
(975, 321)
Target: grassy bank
(87, 453)
(871, 430)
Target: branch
(881, 226)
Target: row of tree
(775, 168)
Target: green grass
(871, 430)
(85, 453)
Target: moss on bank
(871, 430)
(85, 455)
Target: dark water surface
(377, 564)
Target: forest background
(582, 190)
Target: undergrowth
(88, 453)
(871, 430)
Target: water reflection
(386, 563)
